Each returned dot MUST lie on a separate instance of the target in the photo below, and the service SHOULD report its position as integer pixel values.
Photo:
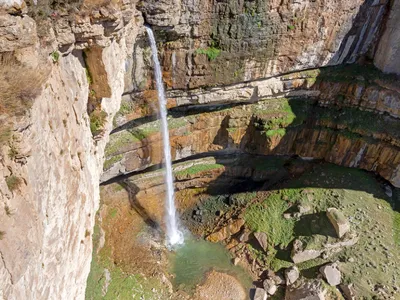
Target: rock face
(332, 274)
(208, 44)
(386, 57)
(339, 221)
(349, 140)
(46, 248)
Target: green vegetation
(55, 56)
(139, 133)
(290, 27)
(211, 52)
(267, 217)
(97, 121)
(197, 169)
(113, 212)
(396, 227)
(88, 76)
(126, 108)
(275, 115)
(109, 162)
(276, 132)
(357, 121)
(366, 73)
(13, 182)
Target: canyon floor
(225, 203)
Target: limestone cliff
(50, 162)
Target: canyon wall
(93, 54)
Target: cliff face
(76, 61)
(50, 165)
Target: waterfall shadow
(132, 190)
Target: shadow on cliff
(132, 190)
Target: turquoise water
(191, 261)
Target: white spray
(174, 235)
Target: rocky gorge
(261, 96)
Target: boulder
(299, 254)
(260, 294)
(339, 221)
(270, 286)
(331, 273)
(348, 291)
(262, 239)
(291, 275)
(307, 290)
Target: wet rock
(226, 232)
(262, 239)
(348, 291)
(307, 290)
(339, 221)
(260, 294)
(332, 274)
(299, 254)
(291, 275)
(270, 286)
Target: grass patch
(267, 217)
(197, 169)
(98, 119)
(276, 132)
(13, 182)
(211, 52)
(396, 228)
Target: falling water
(174, 236)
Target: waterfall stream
(174, 235)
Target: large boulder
(270, 286)
(300, 254)
(307, 290)
(348, 291)
(291, 275)
(339, 221)
(262, 239)
(226, 232)
(260, 294)
(331, 273)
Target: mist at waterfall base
(174, 235)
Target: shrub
(13, 182)
(97, 121)
(55, 56)
(211, 52)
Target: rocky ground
(323, 230)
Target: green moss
(109, 162)
(211, 52)
(290, 27)
(113, 213)
(118, 140)
(198, 168)
(267, 217)
(276, 132)
(55, 56)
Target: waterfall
(174, 235)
